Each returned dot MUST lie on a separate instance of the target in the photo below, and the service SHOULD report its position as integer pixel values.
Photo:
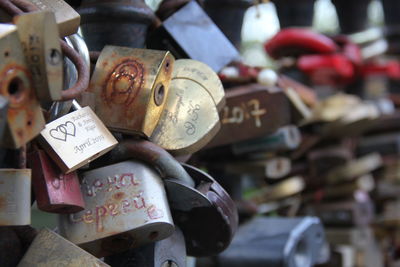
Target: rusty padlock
(190, 201)
(76, 138)
(39, 36)
(126, 206)
(24, 118)
(15, 197)
(251, 107)
(54, 191)
(50, 249)
(131, 87)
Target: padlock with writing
(131, 87)
(39, 36)
(24, 118)
(126, 206)
(76, 139)
(54, 191)
(15, 197)
(190, 118)
(50, 249)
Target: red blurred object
(390, 69)
(296, 42)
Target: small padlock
(24, 118)
(76, 139)
(126, 207)
(131, 87)
(67, 18)
(250, 112)
(39, 36)
(54, 191)
(285, 138)
(50, 249)
(15, 197)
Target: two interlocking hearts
(63, 130)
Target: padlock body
(126, 206)
(131, 87)
(54, 191)
(76, 139)
(24, 118)
(15, 197)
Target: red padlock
(55, 192)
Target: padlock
(3, 116)
(50, 249)
(250, 112)
(187, 34)
(76, 139)
(285, 138)
(15, 197)
(190, 201)
(126, 207)
(276, 241)
(354, 168)
(39, 36)
(167, 252)
(120, 22)
(54, 191)
(131, 88)
(358, 237)
(68, 20)
(190, 117)
(384, 144)
(24, 118)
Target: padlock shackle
(156, 156)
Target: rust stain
(119, 195)
(3, 203)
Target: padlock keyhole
(16, 87)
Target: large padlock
(126, 206)
(250, 112)
(39, 36)
(54, 191)
(190, 117)
(24, 118)
(76, 139)
(121, 22)
(167, 252)
(50, 249)
(191, 200)
(131, 88)
(15, 197)
(187, 33)
(286, 242)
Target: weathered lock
(250, 112)
(190, 117)
(167, 252)
(191, 200)
(54, 191)
(285, 138)
(120, 22)
(39, 36)
(24, 118)
(187, 34)
(131, 87)
(67, 18)
(49, 249)
(15, 197)
(76, 139)
(126, 207)
(278, 241)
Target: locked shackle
(165, 163)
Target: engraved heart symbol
(62, 130)
(154, 213)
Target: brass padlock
(15, 197)
(24, 119)
(48, 249)
(67, 18)
(131, 88)
(76, 139)
(126, 206)
(39, 36)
